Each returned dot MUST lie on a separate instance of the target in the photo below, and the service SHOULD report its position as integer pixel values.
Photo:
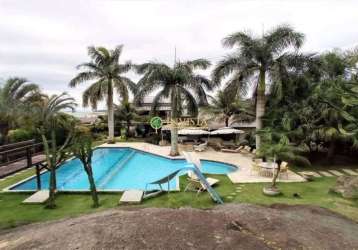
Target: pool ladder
(114, 171)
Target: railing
(14, 152)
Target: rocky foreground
(239, 226)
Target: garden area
(317, 192)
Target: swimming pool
(118, 169)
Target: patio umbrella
(193, 132)
(227, 131)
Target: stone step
(336, 172)
(325, 173)
(132, 196)
(349, 171)
(38, 198)
(315, 174)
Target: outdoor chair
(201, 147)
(246, 150)
(284, 169)
(195, 184)
(237, 150)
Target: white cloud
(45, 40)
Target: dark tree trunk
(51, 202)
(276, 173)
(227, 121)
(92, 183)
(4, 130)
(331, 150)
(128, 127)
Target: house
(163, 108)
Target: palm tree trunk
(128, 128)
(51, 200)
(110, 113)
(174, 141)
(174, 129)
(260, 105)
(93, 188)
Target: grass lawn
(13, 213)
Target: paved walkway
(330, 172)
(244, 162)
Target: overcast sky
(44, 40)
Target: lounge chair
(196, 185)
(201, 147)
(237, 150)
(246, 150)
(193, 180)
(162, 181)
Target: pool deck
(244, 162)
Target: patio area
(243, 161)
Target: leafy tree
(126, 112)
(16, 95)
(50, 117)
(225, 105)
(82, 148)
(185, 89)
(255, 60)
(106, 72)
(277, 147)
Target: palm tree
(226, 105)
(82, 149)
(257, 58)
(15, 95)
(106, 72)
(49, 110)
(184, 88)
(277, 147)
(126, 112)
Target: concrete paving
(315, 174)
(132, 196)
(38, 198)
(349, 171)
(242, 161)
(325, 173)
(335, 172)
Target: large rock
(347, 186)
(239, 226)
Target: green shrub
(17, 135)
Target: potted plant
(277, 147)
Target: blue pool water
(120, 169)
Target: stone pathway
(350, 171)
(330, 172)
(325, 173)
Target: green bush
(17, 135)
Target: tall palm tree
(184, 88)
(15, 94)
(257, 59)
(106, 72)
(226, 105)
(51, 117)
